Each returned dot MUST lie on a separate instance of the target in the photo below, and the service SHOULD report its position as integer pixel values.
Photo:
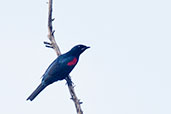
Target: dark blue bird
(59, 68)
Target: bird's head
(78, 49)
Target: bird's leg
(69, 81)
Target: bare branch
(54, 45)
(51, 31)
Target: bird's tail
(36, 92)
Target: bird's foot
(69, 81)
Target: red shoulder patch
(73, 62)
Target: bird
(59, 69)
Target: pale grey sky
(126, 71)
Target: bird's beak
(87, 47)
(84, 48)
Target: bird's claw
(69, 81)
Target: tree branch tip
(45, 42)
(53, 32)
(80, 102)
(53, 19)
(49, 46)
(72, 98)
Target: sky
(126, 70)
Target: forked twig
(54, 45)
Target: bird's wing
(60, 67)
(62, 64)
